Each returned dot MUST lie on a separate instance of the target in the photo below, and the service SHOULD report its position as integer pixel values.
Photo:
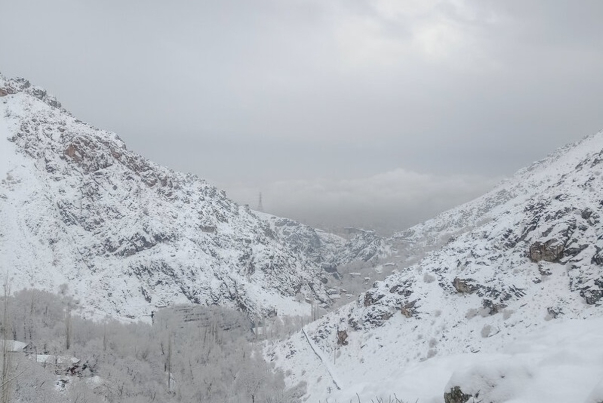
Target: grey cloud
(264, 90)
(386, 202)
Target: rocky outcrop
(456, 395)
(78, 207)
(327, 250)
(592, 295)
(473, 276)
(550, 251)
(342, 338)
(408, 309)
(369, 299)
(463, 286)
(21, 85)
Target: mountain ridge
(129, 236)
(484, 274)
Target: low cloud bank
(387, 202)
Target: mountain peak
(129, 236)
(20, 85)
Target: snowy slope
(329, 250)
(128, 236)
(522, 256)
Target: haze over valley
(301, 202)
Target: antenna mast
(260, 205)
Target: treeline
(189, 354)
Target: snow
(412, 332)
(13, 346)
(8, 155)
(56, 359)
(466, 306)
(129, 236)
(561, 362)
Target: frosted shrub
(189, 354)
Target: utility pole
(260, 205)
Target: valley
(153, 275)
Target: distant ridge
(128, 236)
(469, 281)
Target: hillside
(496, 270)
(82, 215)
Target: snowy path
(324, 361)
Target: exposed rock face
(407, 310)
(473, 280)
(463, 286)
(491, 307)
(21, 85)
(456, 395)
(598, 258)
(342, 336)
(550, 251)
(128, 236)
(328, 250)
(366, 245)
(368, 299)
(594, 294)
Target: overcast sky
(360, 112)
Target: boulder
(342, 336)
(368, 299)
(550, 251)
(463, 286)
(456, 395)
(408, 309)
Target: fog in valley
(377, 114)
(272, 201)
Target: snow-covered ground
(558, 363)
(81, 214)
(501, 296)
(488, 273)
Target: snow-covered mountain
(490, 272)
(81, 214)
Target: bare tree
(68, 328)
(169, 363)
(7, 367)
